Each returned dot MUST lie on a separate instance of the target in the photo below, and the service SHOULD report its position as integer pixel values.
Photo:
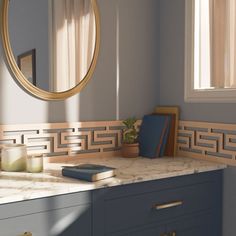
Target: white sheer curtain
(215, 44)
(73, 35)
(230, 81)
(202, 50)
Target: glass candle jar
(34, 163)
(13, 157)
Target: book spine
(165, 139)
(163, 133)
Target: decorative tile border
(60, 141)
(210, 141)
(65, 140)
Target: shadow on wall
(56, 110)
(1, 90)
(4, 74)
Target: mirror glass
(53, 41)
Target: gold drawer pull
(27, 234)
(169, 234)
(168, 205)
(172, 234)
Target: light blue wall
(138, 81)
(172, 23)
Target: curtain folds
(73, 35)
(215, 39)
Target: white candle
(13, 157)
(34, 163)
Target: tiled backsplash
(211, 141)
(66, 139)
(203, 140)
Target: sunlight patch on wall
(72, 109)
(117, 63)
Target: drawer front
(44, 204)
(203, 224)
(125, 212)
(157, 231)
(150, 230)
(206, 224)
(72, 221)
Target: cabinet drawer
(206, 224)
(73, 221)
(136, 210)
(200, 224)
(44, 204)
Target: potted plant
(130, 145)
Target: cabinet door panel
(72, 221)
(198, 225)
(193, 232)
(44, 204)
(151, 231)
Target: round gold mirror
(51, 46)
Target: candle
(34, 163)
(13, 157)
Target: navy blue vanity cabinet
(179, 206)
(64, 215)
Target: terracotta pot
(130, 150)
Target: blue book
(88, 172)
(165, 138)
(153, 135)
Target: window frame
(192, 95)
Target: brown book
(170, 145)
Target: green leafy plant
(130, 133)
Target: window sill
(210, 96)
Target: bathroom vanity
(161, 197)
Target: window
(210, 58)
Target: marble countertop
(19, 186)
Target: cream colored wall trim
(209, 141)
(66, 140)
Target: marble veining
(19, 186)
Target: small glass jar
(34, 163)
(13, 157)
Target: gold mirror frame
(28, 86)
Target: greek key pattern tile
(195, 139)
(65, 139)
(207, 140)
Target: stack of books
(154, 135)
